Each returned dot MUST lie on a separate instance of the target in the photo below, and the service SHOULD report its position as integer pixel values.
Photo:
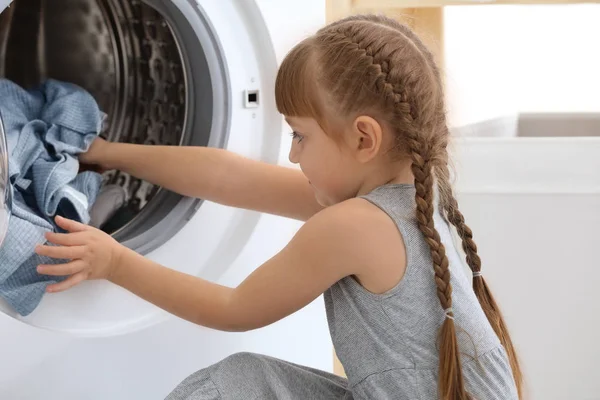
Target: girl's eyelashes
(296, 135)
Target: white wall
(506, 59)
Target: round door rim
(6, 196)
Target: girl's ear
(365, 138)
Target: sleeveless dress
(386, 342)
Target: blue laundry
(46, 129)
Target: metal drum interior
(142, 62)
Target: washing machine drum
(145, 66)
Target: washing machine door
(5, 192)
(173, 72)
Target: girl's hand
(96, 154)
(93, 254)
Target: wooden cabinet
(338, 369)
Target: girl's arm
(327, 248)
(213, 174)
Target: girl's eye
(296, 135)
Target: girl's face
(332, 171)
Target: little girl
(365, 101)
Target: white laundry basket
(534, 207)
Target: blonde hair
(375, 65)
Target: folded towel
(46, 129)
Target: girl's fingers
(62, 253)
(70, 225)
(67, 283)
(62, 269)
(66, 239)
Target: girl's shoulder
(367, 237)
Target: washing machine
(174, 72)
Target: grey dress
(386, 342)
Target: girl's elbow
(242, 325)
(232, 323)
(235, 327)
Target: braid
(450, 381)
(421, 168)
(456, 218)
